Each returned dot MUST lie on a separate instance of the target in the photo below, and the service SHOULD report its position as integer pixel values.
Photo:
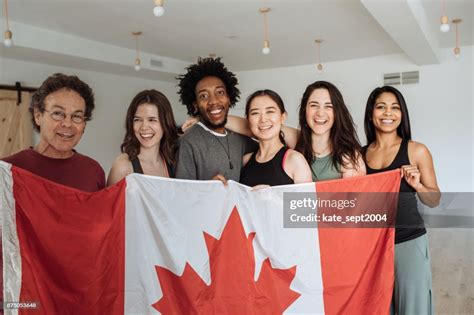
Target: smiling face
(212, 102)
(386, 114)
(320, 112)
(146, 125)
(265, 118)
(58, 138)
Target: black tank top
(267, 173)
(409, 223)
(137, 167)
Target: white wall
(104, 133)
(440, 105)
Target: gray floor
(452, 252)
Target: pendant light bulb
(266, 42)
(7, 41)
(457, 49)
(444, 27)
(7, 36)
(457, 52)
(319, 65)
(266, 47)
(137, 66)
(320, 68)
(158, 10)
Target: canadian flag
(151, 245)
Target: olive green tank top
(323, 169)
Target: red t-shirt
(78, 171)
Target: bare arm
(239, 125)
(297, 168)
(120, 169)
(421, 174)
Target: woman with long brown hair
(327, 138)
(149, 145)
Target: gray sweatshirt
(203, 154)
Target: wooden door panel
(16, 132)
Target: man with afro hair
(208, 150)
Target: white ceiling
(233, 29)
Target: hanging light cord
(457, 35)
(443, 8)
(265, 25)
(136, 46)
(5, 3)
(319, 52)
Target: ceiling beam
(64, 49)
(407, 23)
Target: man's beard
(211, 125)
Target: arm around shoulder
(120, 169)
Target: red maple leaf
(232, 289)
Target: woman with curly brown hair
(149, 145)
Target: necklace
(227, 151)
(316, 154)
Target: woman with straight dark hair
(273, 163)
(387, 127)
(149, 145)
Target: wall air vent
(391, 79)
(410, 77)
(156, 63)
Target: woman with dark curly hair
(149, 144)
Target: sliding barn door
(16, 131)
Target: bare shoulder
(350, 169)
(418, 151)
(122, 158)
(121, 168)
(293, 156)
(350, 164)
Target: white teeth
(387, 121)
(215, 111)
(65, 135)
(320, 121)
(264, 127)
(147, 136)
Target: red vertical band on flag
(357, 263)
(72, 247)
